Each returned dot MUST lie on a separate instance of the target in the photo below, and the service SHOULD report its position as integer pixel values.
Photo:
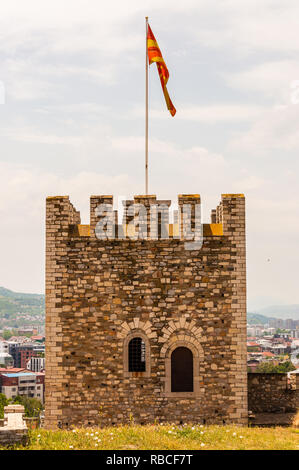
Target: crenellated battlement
(143, 217)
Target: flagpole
(146, 107)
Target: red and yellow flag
(154, 55)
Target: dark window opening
(182, 370)
(136, 355)
(159, 225)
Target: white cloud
(32, 135)
(272, 79)
(254, 25)
(274, 130)
(75, 26)
(169, 151)
(27, 80)
(211, 114)
(249, 183)
(74, 108)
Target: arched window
(136, 351)
(182, 370)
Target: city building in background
(22, 383)
(36, 364)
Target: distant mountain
(12, 303)
(281, 311)
(257, 319)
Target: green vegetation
(3, 403)
(7, 334)
(13, 302)
(270, 368)
(168, 437)
(33, 407)
(256, 318)
(18, 309)
(280, 331)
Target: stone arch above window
(181, 331)
(136, 324)
(136, 355)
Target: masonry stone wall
(12, 437)
(13, 429)
(102, 293)
(271, 393)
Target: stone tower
(144, 328)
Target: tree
(3, 402)
(270, 368)
(7, 334)
(280, 330)
(266, 368)
(286, 366)
(33, 406)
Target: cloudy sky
(72, 120)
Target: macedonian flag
(154, 55)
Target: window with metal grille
(182, 370)
(136, 355)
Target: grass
(165, 437)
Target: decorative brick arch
(136, 324)
(136, 329)
(182, 331)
